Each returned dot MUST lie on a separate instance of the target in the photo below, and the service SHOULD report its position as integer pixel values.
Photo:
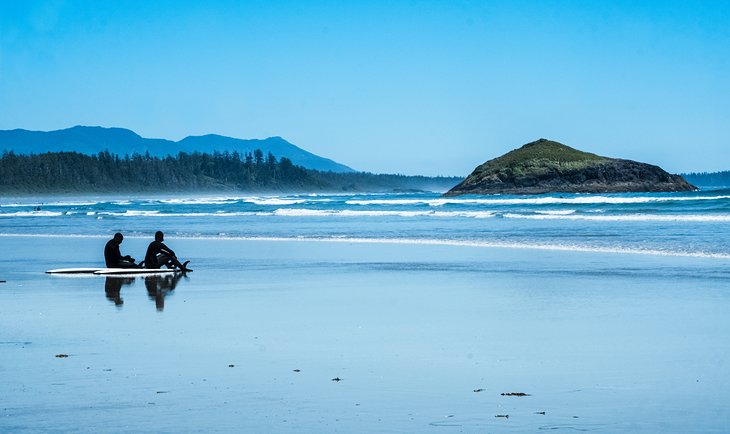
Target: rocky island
(545, 166)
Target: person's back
(112, 256)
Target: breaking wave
(582, 200)
(623, 218)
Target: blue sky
(413, 87)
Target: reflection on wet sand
(113, 288)
(158, 287)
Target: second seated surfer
(158, 255)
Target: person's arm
(166, 250)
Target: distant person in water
(158, 255)
(114, 258)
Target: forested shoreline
(705, 179)
(72, 172)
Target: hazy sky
(412, 87)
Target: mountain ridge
(94, 139)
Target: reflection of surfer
(159, 286)
(113, 257)
(158, 255)
(113, 288)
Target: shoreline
(411, 242)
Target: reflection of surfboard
(111, 271)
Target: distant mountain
(545, 166)
(92, 140)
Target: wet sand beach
(286, 336)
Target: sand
(420, 339)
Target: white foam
(200, 201)
(32, 214)
(37, 204)
(468, 214)
(137, 213)
(624, 217)
(132, 213)
(584, 200)
(273, 201)
(557, 212)
(302, 212)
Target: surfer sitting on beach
(158, 254)
(114, 258)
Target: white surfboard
(114, 271)
(111, 271)
(74, 270)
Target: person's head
(159, 236)
(118, 238)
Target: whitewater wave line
(435, 202)
(624, 217)
(582, 200)
(418, 241)
(256, 200)
(305, 213)
(282, 212)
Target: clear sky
(415, 87)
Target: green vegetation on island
(545, 166)
(72, 172)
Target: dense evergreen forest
(704, 179)
(71, 172)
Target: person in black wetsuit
(158, 254)
(114, 258)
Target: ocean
(676, 224)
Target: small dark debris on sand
(2, 281)
(231, 366)
(515, 394)
(338, 379)
(540, 412)
(61, 356)
(506, 416)
(479, 390)
(296, 370)
(163, 391)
